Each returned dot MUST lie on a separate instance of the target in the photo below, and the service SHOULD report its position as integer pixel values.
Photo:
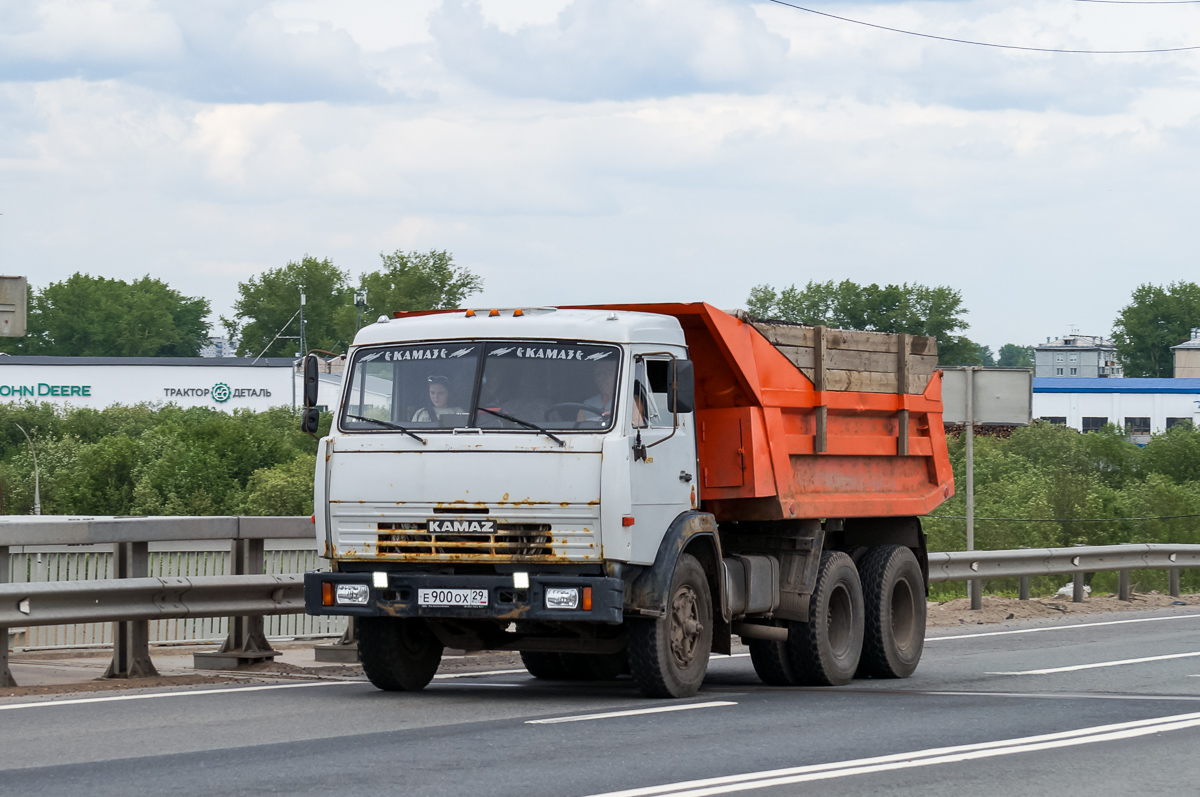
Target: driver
(439, 401)
(604, 374)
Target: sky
(573, 151)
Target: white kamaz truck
(625, 489)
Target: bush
(146, 460)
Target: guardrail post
(1023, 588)
(1173, 581)
(6, 678)
(131, 638)
(1077, 588)
(247, 641)
(345, 650)
(1124, 592)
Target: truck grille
(509, 539)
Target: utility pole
(974, 586)
(303, 340)
(37, 497)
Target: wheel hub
(686, 627)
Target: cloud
(226, 51)
(599, 49)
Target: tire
(894, 595)
(771, 661)
(825, 651)
(398, 654)
(547, 666)
(668, 655)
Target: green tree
(284, 489)
(1155, 320)
(913, 309)
(268, 306)
(87, 316)
(417, 281)
(1175, 454)
(1014, 356)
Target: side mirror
(682, 397)
(310, 420)
(311, 381)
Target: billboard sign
(1000, 396)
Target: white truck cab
(506, 466)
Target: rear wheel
(547, 666)
(398, 654)
(668, 655)
(771, 660)
(894, 595)
(825, 651)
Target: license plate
(452, 597)
(439, 526)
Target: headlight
(562, 597)
(356, 594)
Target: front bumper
(505, 601)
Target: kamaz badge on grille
(462, 526)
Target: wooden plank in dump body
(868, 362)
(779, 439)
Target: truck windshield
(551, 385)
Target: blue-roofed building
(1141, 407)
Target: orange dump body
(757, 432)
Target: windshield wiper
(528, 424)
(395, 426)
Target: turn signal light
(326, 593)
(587, 599)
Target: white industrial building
(1142, 407)
(220, 383)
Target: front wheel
(398, 654)
(825, 651)
(668, 655)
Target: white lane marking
(187, 693)
(475, 674)
(1062, 627)
(1074, 667)
(920, 758)
(1065, 695)
(729, 656)
(630, 713)
(470, 683)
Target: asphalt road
(1103, 705)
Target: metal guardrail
(83, 530)
(132, 599)
(119, 600)
(976, 566)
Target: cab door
(662, 462)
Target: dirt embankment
(998, 609)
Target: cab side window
(651, 384)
